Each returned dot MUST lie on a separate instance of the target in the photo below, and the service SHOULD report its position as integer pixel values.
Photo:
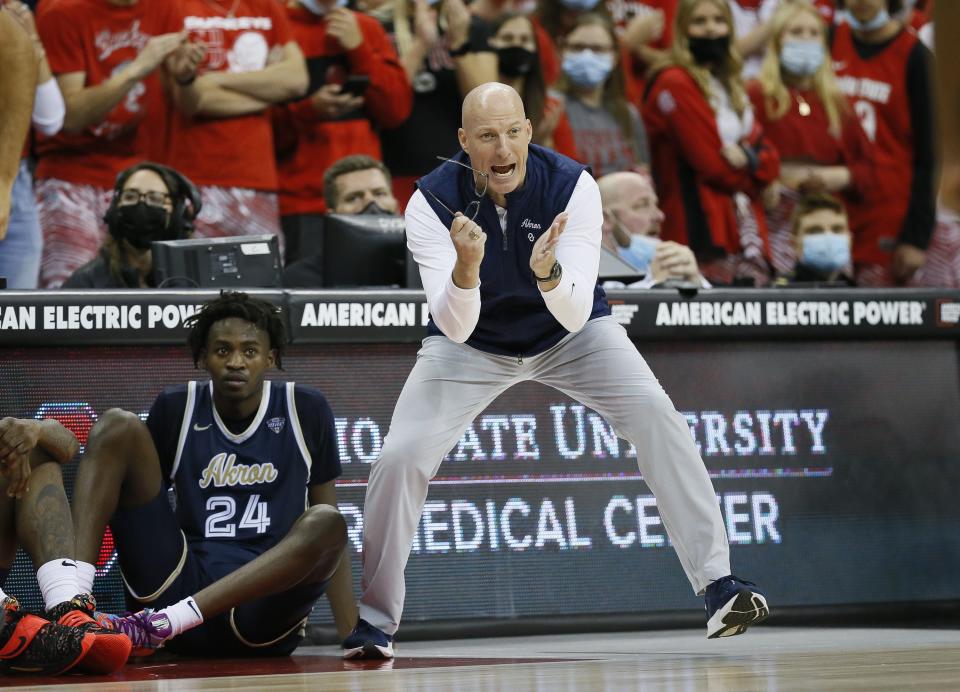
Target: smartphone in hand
(355, 85)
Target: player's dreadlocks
(264, 315)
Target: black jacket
(96, 274)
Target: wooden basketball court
(767, 658)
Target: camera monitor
(250, 261)
(364, 250)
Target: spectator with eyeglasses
(554, 19)
(150, 202)
(607, 129)
(109, 59)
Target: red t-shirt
(237, 151)
(807, 138)
(96, 38)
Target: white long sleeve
(49, 109)
(578, 252)
(455, 310)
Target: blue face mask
(879, 20)
(826, 252)
(640, 253)
(319, 8)
(586, 68)
(802, 58)
(580, 5)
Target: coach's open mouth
(503, 171)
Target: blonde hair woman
(710, 159)
(809, 120)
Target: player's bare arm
(343, 603)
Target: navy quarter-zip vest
(514, 320)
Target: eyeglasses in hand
(475, 204)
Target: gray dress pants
(452, 383)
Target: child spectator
(822, 239)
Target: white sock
(85, 574)
(184, 615)
(58, 581)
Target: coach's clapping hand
(543, 255)
(469, 241)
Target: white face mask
(640, 252)
(826, 252)
(319, 8)
(879, 20)
(802, 58)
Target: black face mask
(140, 224)
(710, 51)
(374, 208)
(515, 61)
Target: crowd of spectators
(713, 127)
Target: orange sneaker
(30, 644)
(110, 649)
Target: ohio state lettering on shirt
(229, 151)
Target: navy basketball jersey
(239, 494)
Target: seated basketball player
(34, 513)
(236, 568)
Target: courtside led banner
(835, 464)
(156, 317)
